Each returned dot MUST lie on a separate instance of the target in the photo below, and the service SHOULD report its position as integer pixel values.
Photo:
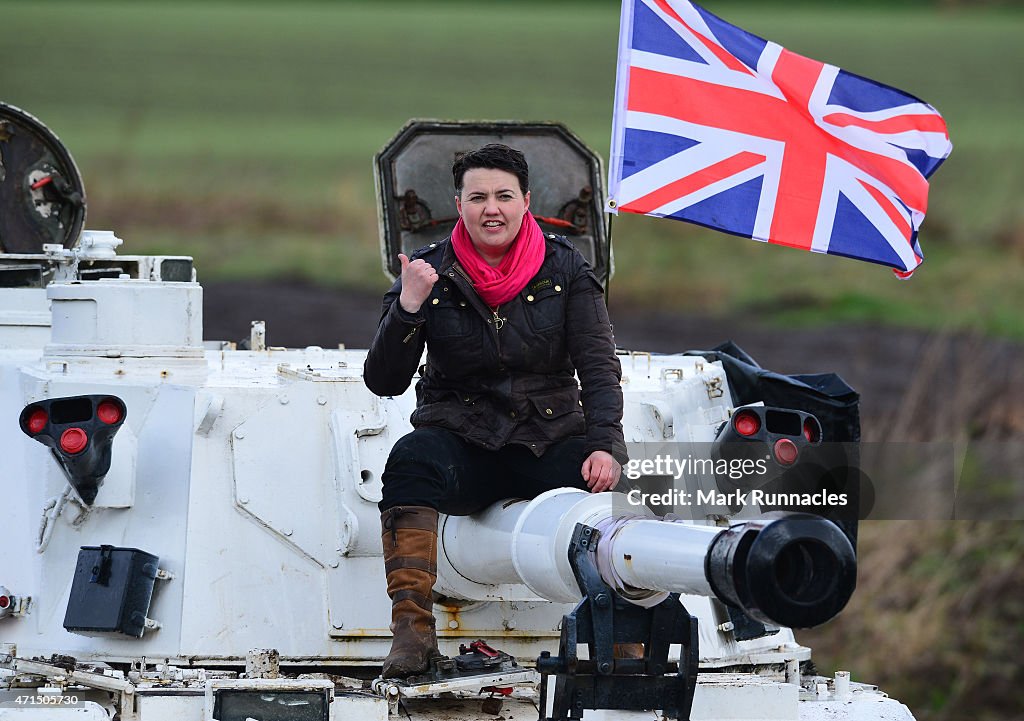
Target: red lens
(108, 412)
(73, 440)
(37, 421)
(811, 431)
(786, 451)
(746, 423)
(5, 601)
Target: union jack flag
(721, 128)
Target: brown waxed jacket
(504, 377)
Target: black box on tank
(111, 590)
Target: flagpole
(608, 261)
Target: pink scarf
(522, 261)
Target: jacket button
(529, 298)
(548, 411)
(558, 289)
(435, 301)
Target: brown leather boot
(409, 535)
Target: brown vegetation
(938, 617)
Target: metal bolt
(321, 400)
(601, 600)
(604, 667)
(239, 434)
(284, 400)
(287, 531)
(453, 624)
(243, 499)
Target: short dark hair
(496, 156)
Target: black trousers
(436, 468)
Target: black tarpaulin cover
(826, 395)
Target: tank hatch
(416, 194)
(42, 198)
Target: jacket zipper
(497, 321)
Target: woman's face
(492, 207)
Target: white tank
(229, 564)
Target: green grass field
(243, 134)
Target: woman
(508, 315)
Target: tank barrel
(794, 570)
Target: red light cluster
(5, 602)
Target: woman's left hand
(601, 471)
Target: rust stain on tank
(452, 616)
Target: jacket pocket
(545, 307)
(556, 405)
(447, 408)
(560, 414)
(449, 318)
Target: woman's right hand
(418, 278)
